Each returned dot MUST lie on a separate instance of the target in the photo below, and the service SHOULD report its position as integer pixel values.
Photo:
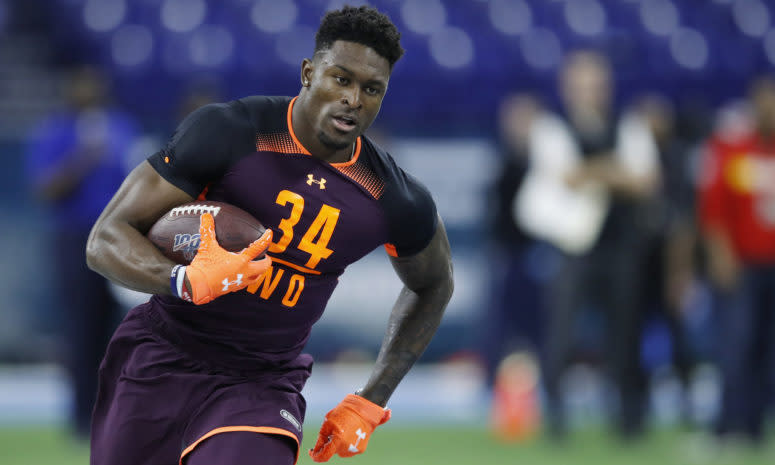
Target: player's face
(346, 87)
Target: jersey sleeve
(202, 146)
(413, 220)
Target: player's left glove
(214, 271)
(347, 428)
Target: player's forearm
(122, 254)
(118, 248)
(413, 322)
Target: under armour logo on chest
(311, 179)
(226, 283)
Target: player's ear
(307, 69)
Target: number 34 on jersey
(314, 242)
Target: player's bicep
(143, 197)
(430, 267)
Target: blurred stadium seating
(462, 56)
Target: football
(176, 234)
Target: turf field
(447, 446)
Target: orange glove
(347, 428)
(216, 271)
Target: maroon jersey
(324, 216)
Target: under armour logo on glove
(347, 427)
(226, 283)
(354, 447)
(209, 271)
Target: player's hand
(347, 428)
(216, 271)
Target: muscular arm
(117, 246)
(428, 285)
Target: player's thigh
(244, 448)
(147, 390)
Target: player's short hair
(363, 25)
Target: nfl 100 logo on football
(188, 243)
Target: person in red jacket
(737, 213)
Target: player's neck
(338, 156)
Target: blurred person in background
(591, 172)
(511, 324)
(672, 235)
(75, 162)
(198, 94)
(512, 321)
(737, 207)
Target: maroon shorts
(155, 403)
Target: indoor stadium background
(463, 57)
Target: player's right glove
(216, 271)
(347, 428)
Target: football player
(211, 369)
